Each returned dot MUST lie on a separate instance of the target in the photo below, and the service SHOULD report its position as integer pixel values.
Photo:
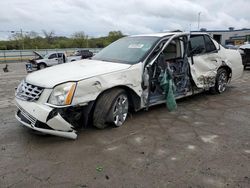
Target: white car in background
(43, 61)
(125, 76)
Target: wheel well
(42, 63)
(228, 69)
(134, 99)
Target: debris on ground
(5, 69)
(99, 168)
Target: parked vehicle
(125, 76)
(41, 62)
(80, 54)
(230, 46)
(245, 53)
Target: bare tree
(49, 36)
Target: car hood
(39, 55)
(73, 71)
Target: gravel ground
(205, 143)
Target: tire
(221, 81)
(42, 66)
(111, 108)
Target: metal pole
(4, 53)
(199, 15)
(22, 38)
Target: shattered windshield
(128, 50)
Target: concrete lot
(205, 143)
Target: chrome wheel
(222, 81)
(120, 110)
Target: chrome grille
(26, 115)
(28, 92)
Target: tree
(49, 36)
(80, 40)
(114, 35)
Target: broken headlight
(62, 94)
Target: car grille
(25, 116)
(28, 92)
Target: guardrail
(10, 56)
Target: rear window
(197, 44)
(210, 47)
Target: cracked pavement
(205, 143)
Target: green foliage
(50, 41)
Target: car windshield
(128, 50)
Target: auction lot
(205, 143)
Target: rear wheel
(111, 108)
(221, 81)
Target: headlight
(62, 94)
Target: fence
(10, 56)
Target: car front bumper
(43, 118)
(30, 67)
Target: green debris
(99, 168)
(168, 86)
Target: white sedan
(132, 73)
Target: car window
(210, 47)
(60, 54)
(128, 50)
(197, 44)
(52, 56)
(173, 50)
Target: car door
(53, 59)
(204, 60)
(169, 56)
(60, 58)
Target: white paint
(213, 182)
(198, 123)
(185, 117)
(247, 151)
(161, 152)
(191, 147)
(173, 158)
(112, 148)
(222, 123)
(208, 138)
(139, 139)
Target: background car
(50, 59)
(80, 54)
(245, 54)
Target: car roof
(165, 34)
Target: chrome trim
(28, 92)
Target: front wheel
(111, 108)
(42, 66)
(221, 81)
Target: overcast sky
(98, 17)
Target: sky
(97, 17)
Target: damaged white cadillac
(133, 73)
